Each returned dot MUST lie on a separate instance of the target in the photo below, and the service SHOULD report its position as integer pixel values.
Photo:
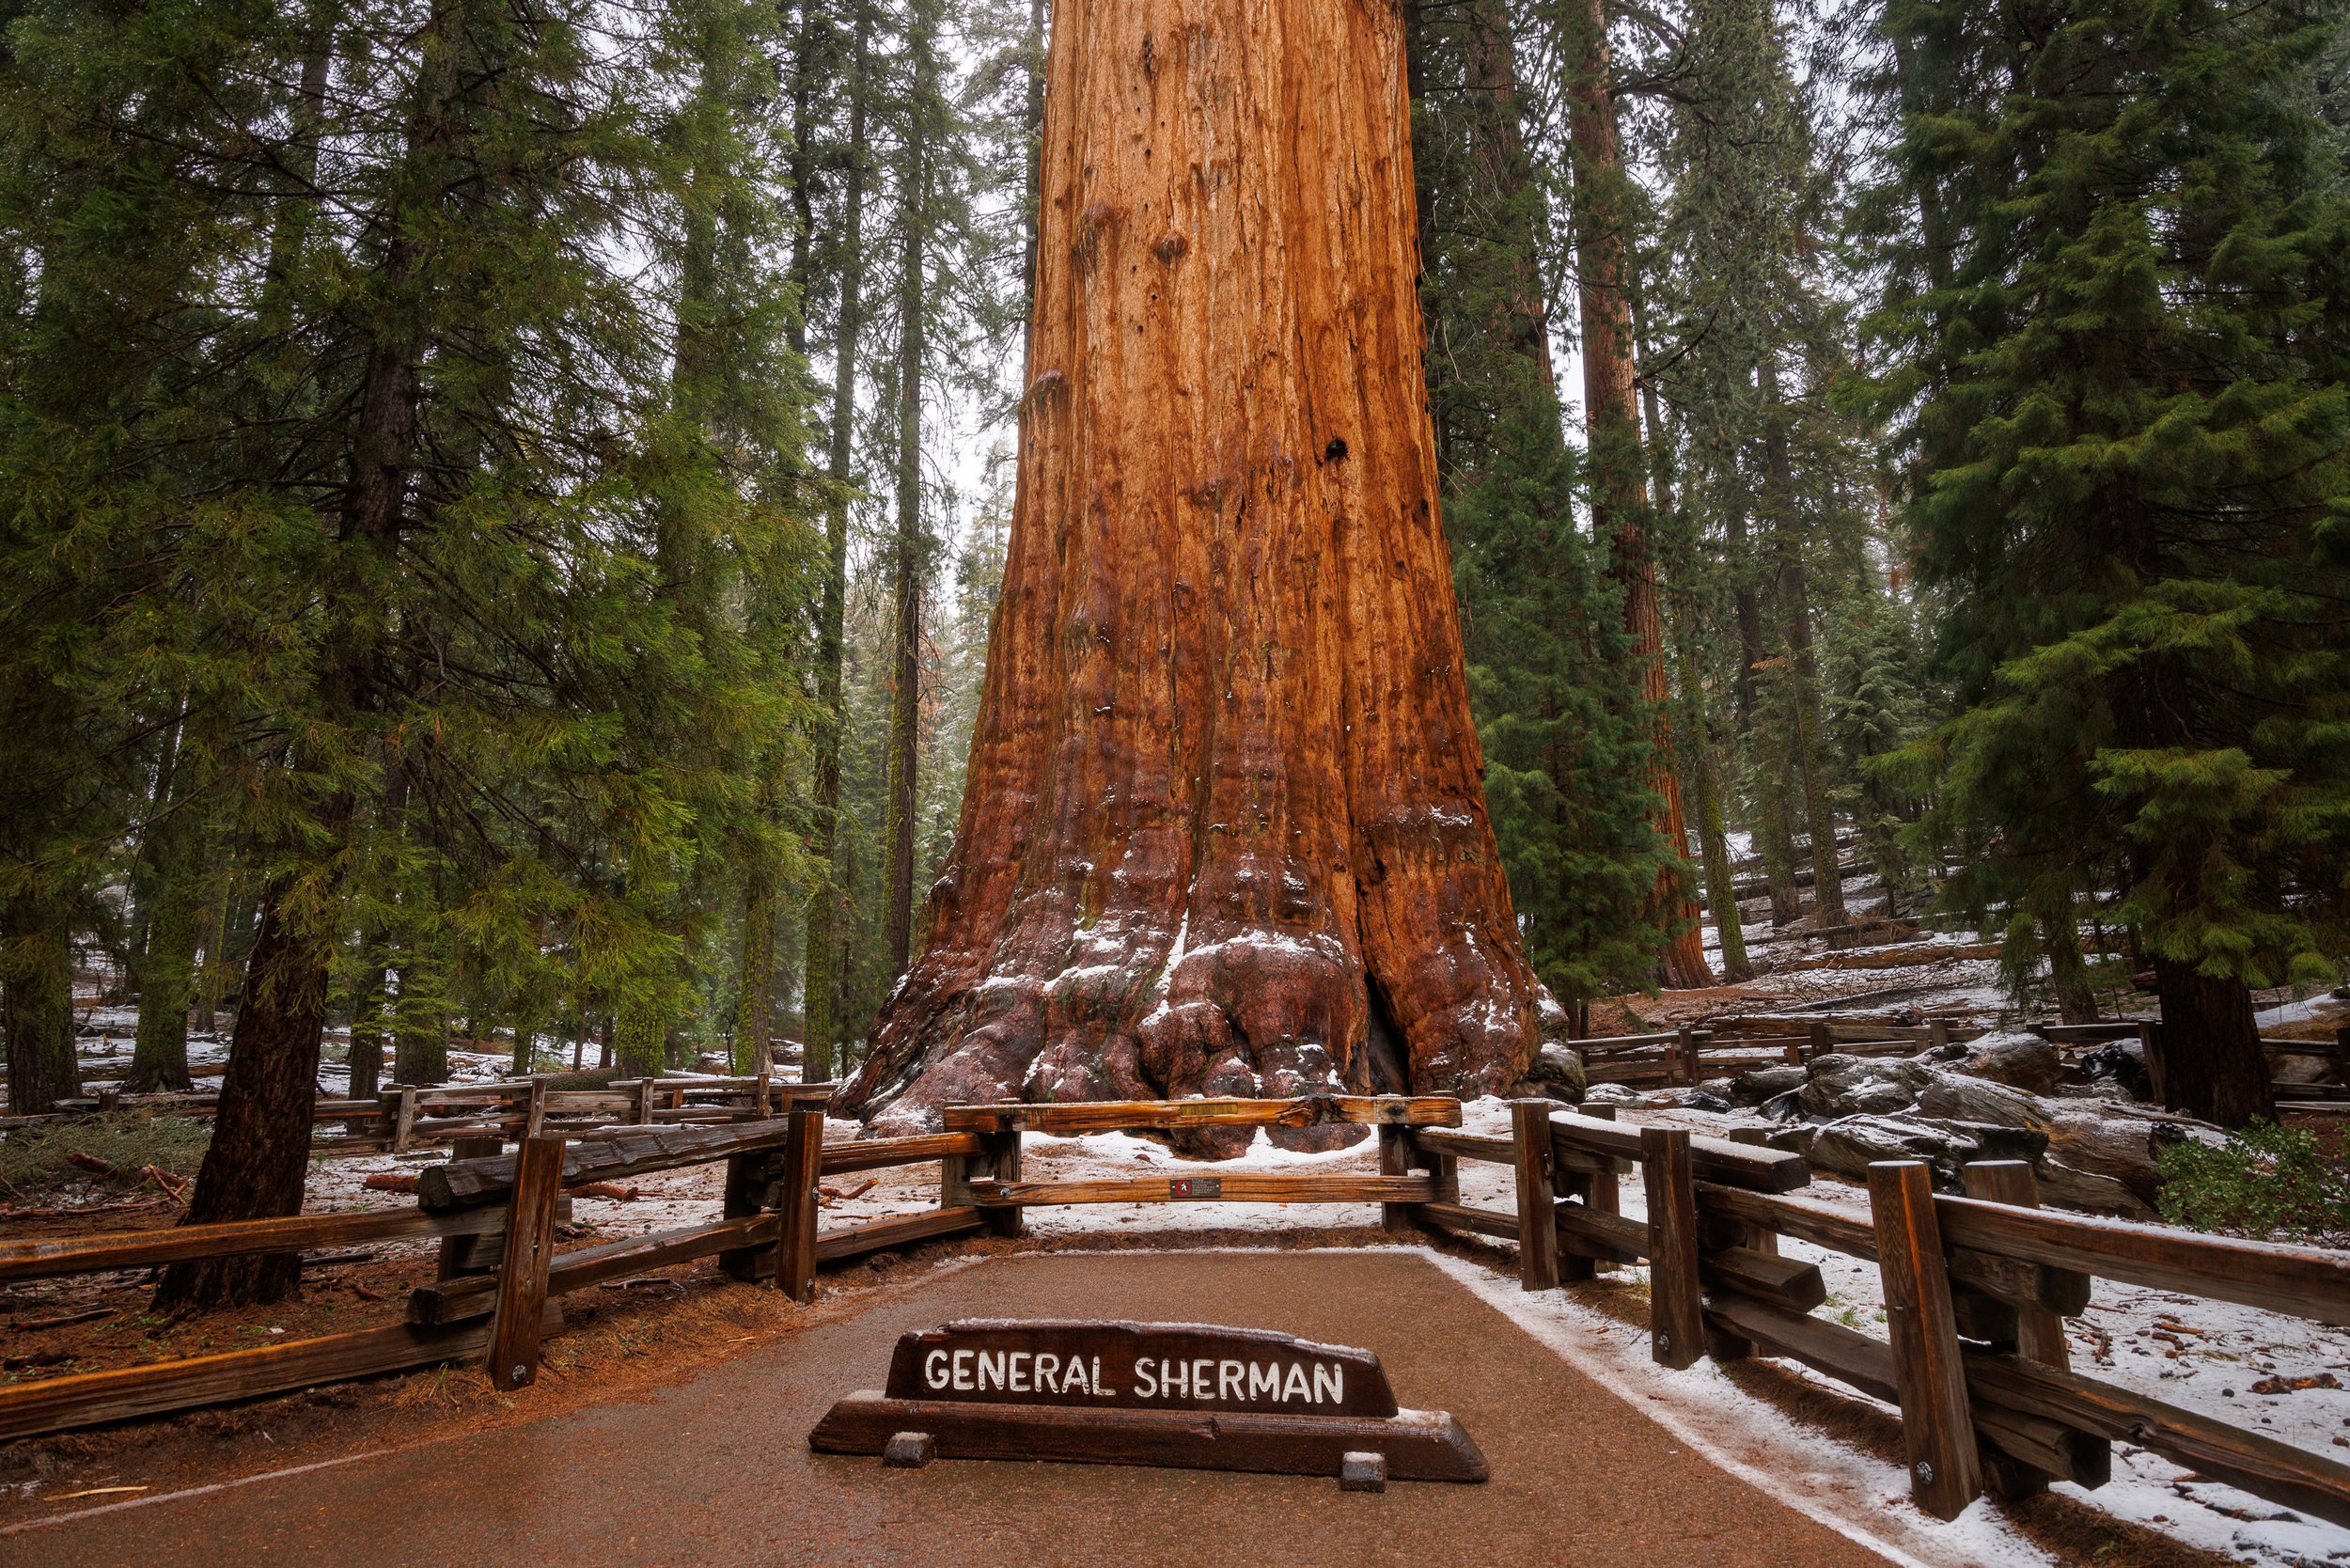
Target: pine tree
(2127, 444)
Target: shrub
(34, 1158)
(2267, 1182)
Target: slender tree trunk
(1033, 125)
(37, 1009)
(158, 1057)
(2068, 972)
(820, 994)
(1803, 669)
(1224, 830)
(640, 1039)
(2211, 1064)
(1620, 502)
(260, 1149)
(1713, 837)
(755, 1004)
(906, 572)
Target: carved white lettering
(1146, 1377)
(934, 1369)
(1019, 1383)
(1264, 1379)
(1330, 1374)
(1231, 1380)
(1294, 1386)
(963, 1369)
(990, 1367)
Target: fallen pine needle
(93, 1492)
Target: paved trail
(717, 1470)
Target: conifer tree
(2127, 430)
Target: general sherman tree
(1224, 831)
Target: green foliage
(33, 1159)
(2114, 330)
(2269, 1183)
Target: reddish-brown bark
(1225, 827)
(1611, 416)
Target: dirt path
(716, 1470)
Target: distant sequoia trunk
(1225, 829)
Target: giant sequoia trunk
(1224, 830)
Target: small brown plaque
(1190, 1395)
(1195, 1187)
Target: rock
(1796, 1139)
(1556, 1073)
(1783, 1107)
(1862, 1086)
(1720, 1088)
(2013, 1057)
(2124, 1061)
(1953, 1098)
(1614, 1094)
(1756, 1085)
(1850, 1146)
(1687, 1099)
(2100, 1155)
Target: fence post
(1537, 1222)
(2150, 1046)
(1676, 1301)
(404, 1120)
(2039, 1332)
(463, 1255)
(1683, 1069)
(1937, 1033)
(535, 1114)
(1937, 1430)
(1600, 1191)
(795, 1204)
(1395, 1159)
(999, 1156)
(644, 1101)
(747, 1178)
(1820, 1041)
(529, 1249)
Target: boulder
(1848, 1147)
(1556, 1073)
(2100, 1155)
(1687, 1099)
(1842, 1086)
(1614, 1094)
(1787, 1107)
(1756, 1085)
(2013, 1057)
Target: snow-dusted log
(1225, 828)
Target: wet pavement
(716, 1469)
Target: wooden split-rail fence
(1976, 1287)
(408, 1116)
(1976, 1291)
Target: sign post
(1186, 1395)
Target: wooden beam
(1938, 1433)
(2262, 1466)
(464, 1183)
(513, 1351)
(1606, 1238)
(40, 1259)
(1829, 1348)
(1473, 1221)
(1395, 1159)
(1784, 1282)
(880, 1152)
(1675, 1294)
(456, 1300)
(1490, 1146)
(1109, 1116)
(1239, 1188)
(1538, 1231)
(1816, 1223)
(1718, 1160)
(2305, 1281)
(90, 1399)
(875, 1236)
(2023, 1455)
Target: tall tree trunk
(1721, 881)
(1803, 668)
(1033, 125)
(37, 1008)
(1773, 842)
(907, 571)
(2212, 1063)
(1224, 830)
(1619, 496)
(821, 981)
(159, 1056)
(260, 1155)
(755, 1003)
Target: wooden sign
(1192, 1395)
